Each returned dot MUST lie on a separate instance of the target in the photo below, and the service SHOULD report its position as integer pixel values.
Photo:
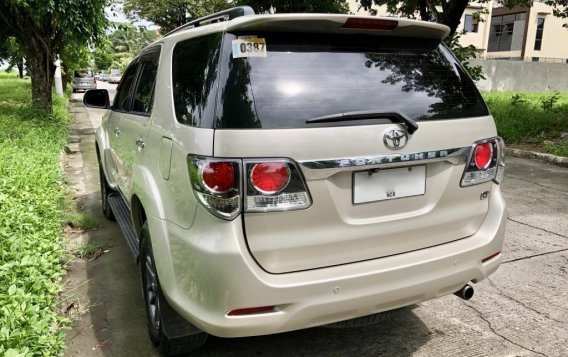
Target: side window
(194, 74)
(123, 93)
(144, 93)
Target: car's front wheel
(157, 305)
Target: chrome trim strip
(322, 169)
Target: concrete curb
(525, 154)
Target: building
(528, 33)
(521, 33)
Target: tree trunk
(20, 66)
(42, 68)
(452, 16)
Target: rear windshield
(84, 73)
(307, 76)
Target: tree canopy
(43, 28)
(172, 13)
(428, 10)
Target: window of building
(539, 31)
(502, 31)
(470, 24)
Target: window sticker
(249, 47)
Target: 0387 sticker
(249, 47)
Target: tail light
(275, 185)
(216, 185)
(486, 163)
(269, 185)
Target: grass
(31, 217)
(87, 250)
(534, 121)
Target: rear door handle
(140, 143)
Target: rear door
(339, 108)
(136, 122)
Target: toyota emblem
(395, 139)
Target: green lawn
(31, 216)
(534, 121)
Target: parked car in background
(83, 80)
(114, 77)
(329, 196)
(105, 77)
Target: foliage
(451, 14)
(322, 6)
(560, 8)
(30, 221)
(87, 250)
(173, 14)
(464, 54)
(125, 42)
(536, 119)
(12, 53)
(43, 28)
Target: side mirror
(97, 98)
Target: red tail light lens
(483, 155)
(215, 182)
(219, 177)
(370, 24)
(270, 177)
(486, 163)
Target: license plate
(389, 184)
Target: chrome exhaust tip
(465, 293)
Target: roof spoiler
(220, 16)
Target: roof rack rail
(220, 16)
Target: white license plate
(389, 184)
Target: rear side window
(123, 91)
(144, 93)
(309, 76)
(194, 74)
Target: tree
(43, 27)
(11, 52)
(172, 13)
(427, 10)
(322, 6)
(560, 8)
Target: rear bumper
(84, 87)
(205, 274)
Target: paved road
(522, 310)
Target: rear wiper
(411, 125)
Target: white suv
(277, 172)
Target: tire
(74, 90)
(106, 190)
(155, 303)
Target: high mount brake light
(486, 163)
(370, 24)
